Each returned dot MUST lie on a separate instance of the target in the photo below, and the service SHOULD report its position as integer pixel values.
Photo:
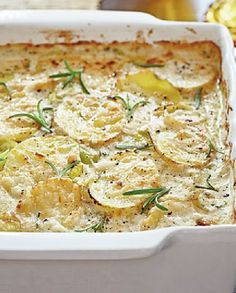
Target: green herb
(126, 103)
(209, 185)
(98, 227)
(131, 147)
(37, 117)
(157, 193)
(197, 98)
(143, 191)
(3, 155)
(3, 84)
(148, 65)
(62, 172)
(71, 75)
(212, 148)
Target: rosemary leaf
(135, 106)
(154, 198)
(212, 148)
(68, 81)
(132, 147)
(98, 227)
(197, 98)
(159, 206)
(147, 203)
(157, 193)
(126, 103)
(68, 167)
(68, 67)
(209, 185)
(148, 65)
(54, 168)
(62, 172)
(144, 191)
(84, 88)
(40, 110)
(59, 75)
(5, 87)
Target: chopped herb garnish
(212, 148)
(3, 84)
(37, 117)
(157, 193)
(132, 147)
(148, 65)
(126, 103)
(71, 75)
(3, 155)
(209, 185)
(197, 98)
(62, 172)
(98, 227)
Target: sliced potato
(180, 213)
(55, 197)
(20, 128)
(210, 201)
(7, 202)
(179, 115)
(190, 65)
(189, 146)
(93, 121)
(122, 172)
(150, 84)
(220, 199)
(26, 163)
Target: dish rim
(47, 245)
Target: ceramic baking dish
(182, 259)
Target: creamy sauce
(123, 117)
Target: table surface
(49, 4)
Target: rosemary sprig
(197, 98)
(133, 147)
(62, 172)
(97, 227)
(157, 193)
(38, 117)
(148, 65)
(212, 148)
(154, 199)
(71, 75)
(126, 103)
(3, 155)
(209, 185)
(3, 84)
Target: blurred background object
(218, 11)
(221, 11)
(188, 10)
(49, 4)
(224, 12)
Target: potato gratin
(113, 137)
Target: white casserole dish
(182, 259)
